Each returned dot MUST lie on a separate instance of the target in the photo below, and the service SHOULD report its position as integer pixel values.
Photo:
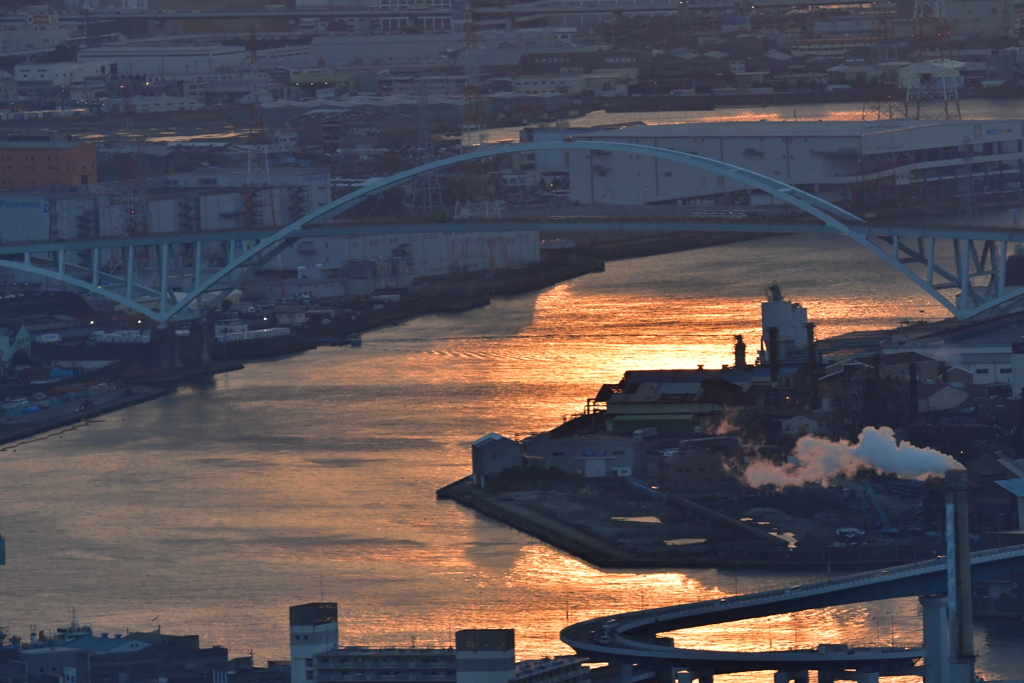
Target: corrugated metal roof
(803, 129)
(987, 358)
(1014, 486)
(40, 145)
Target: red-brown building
(36, 165)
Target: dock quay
(76, 414)
(617, 524)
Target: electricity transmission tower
(933, 89)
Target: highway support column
(936, 639)
(958, 577)
(696, 676)
(791, 677)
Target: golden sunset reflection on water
(217, 507)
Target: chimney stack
(812, 354)
(740, 352)
(912, 393)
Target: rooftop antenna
(321, 588)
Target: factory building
(59, 73)
(178, 202)
(162, 60)
(31, 165)
(215, 200)
(837, 160)
(479, 656)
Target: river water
(970, 109)
(212, 510)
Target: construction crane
(868, 494)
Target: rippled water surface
(212, 510)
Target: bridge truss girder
(178, 283)
(974, 269)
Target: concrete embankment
(607, 524)
(460, 292)
(562, 536)
(628, 244)
(70, 416)
(14, 434)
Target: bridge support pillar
(936, 639)
(867, 677)
(791, 677)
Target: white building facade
(313, 630)
(834, 159)
(163, 60)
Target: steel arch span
(899, 248)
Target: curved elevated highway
(631, 637)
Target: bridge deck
(630, 636)
(556, 224)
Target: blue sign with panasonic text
(25, 219)
(595, 454)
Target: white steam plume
(821, 460)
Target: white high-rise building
(485, 655)
(313, 630)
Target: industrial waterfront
(213, 509)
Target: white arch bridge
(175, 276)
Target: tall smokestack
(811, 372)
(812, 354)
(773, 352)
(912, 393)
(740, 352)
(958, 578)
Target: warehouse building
(216, 200)
(837, 160)
(162, 60)
(31, 165)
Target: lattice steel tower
(932, 89)
(880, 102)
(257, 173)
(132, 190)
(427, 200)
(474, 123)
